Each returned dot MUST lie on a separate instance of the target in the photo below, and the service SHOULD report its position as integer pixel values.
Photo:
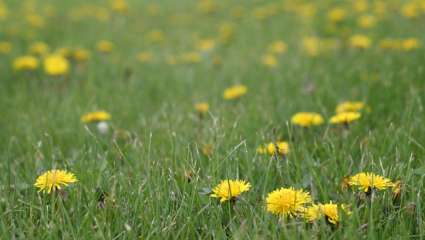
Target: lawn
(154, 110)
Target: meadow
(208, 119)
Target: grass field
(149, 172)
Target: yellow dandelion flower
(345, 118)
(206, 45)
(389, 43)
(39, 48)
(120, 6)
(410, 44)
(81, 55)
(25, 63)
(5, 47)
(98, 116)
(56, 65)
(337, 14)
(367, 181)
(311, 46)
(278, 47)
(349, 106)
(279, 148)
(269, 60)
(202, 107)
(235, 92)
(145, 57)
(410, 10)
(104, 46)
(287, 202)
(230, 189)
(360, 41)
(307, 119)
(330, 211)
(53, 180)
(366, 21)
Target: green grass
(156, 136)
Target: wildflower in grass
(307, 119)
(5, 47)
(206, 45)
(65, 52)
(35, 20)
(120, 6)
(311, 46)
(360, 41)
(329, 211)
(145, 57)
(230, 190)
(269, 60)
(25, 63)
(207, 150)
(155, 36)
(278, 47)
(39, 48)
(98, 116)
(366, 182)
(360, 5)
(389, 43)
(337, 15)
(226, 32)
(287, 202)
(366, 21)
(202, 107)
(349, 106)
(235, 92)
(397, 187)
(4, 12)
(56, 65)
(410, 10)
(345, 118)
(53, 180)
(278, 148)
(81, 55)
(207, 6)
(104, 46)
(410, 44)
(191, 57)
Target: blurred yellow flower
(226, 32)
(207, 6)
(191, 57)
(202, 107)
(145, 57)
(3, 11)
(311, 45)
(410, 10)
(155, 36)
(25, 63)
(206, 44)
(360, 5)
(390, 43)
(348, 106)
(39, 48)
(278, 47)
(56, 65)
(98, 116)
(230, 189)
(120, 6)
(5, 47)
(410, 44)
(35, 20)
(235, 92)
(81, 54)
(307, 119)
(53, 180)
(337, 14)
(279, 148)
(269, 60)
(345, 118)
(287, 202)
(360, 41)
(366, 21)
(366, 182)
(104, 46)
